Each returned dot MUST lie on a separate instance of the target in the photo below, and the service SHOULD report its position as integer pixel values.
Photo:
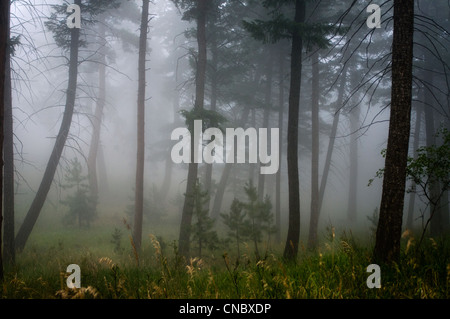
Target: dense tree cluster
(316, 70)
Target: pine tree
(235, 221)
(81, 204)
(69, 40)
(202, 229)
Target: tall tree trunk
(412, 195)
(97, 120)
(387, 244)
(221, 186)
(8, 171)
(314, 220)
(168, 170)
(334, 127)
(102, 173)
(140, 159)
(280, 144)
(41, 194)
(186, 217)
(267, 107)
(433, 186)
(213, 107)
(293, 235)
(353, 174)
(4, 39)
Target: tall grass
(336, 270)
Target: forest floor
(111, 269)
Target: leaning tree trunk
(293, 235)
(4, 25)
(139, 187)
(387, 244)
(200, 77)
(41, 194)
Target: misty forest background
(88, 178)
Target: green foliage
(251, 220)
(202, 229)
(235, 221)
(280, 26)
(432, 163)
(82, 206)
(337, 271)
(209, 118)
(90, 9)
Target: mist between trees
(93, 118)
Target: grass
(336, 270)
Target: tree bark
(41, 194)
(97, 120)
(314, 220)
(334, 127)
(387, 244)
(220, 192)
(8, 171)
(293, 235)
(4, 26)
(353, 174)
(412, 195)
(213, 107)
(140, 158)
(186, 217)
(267, 106)
(280, 144)
(433, 186)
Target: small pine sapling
(202, 229)
(81, 204)
(235, 221)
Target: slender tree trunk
(293, 235)
(280, 145)
(186, 217)
(97, 120)
(221, 186)
(267, 107)
(213, 107)
(433, 187)
(334, 127)
(169, 163)
(139, 188)
(8, 172)
(412, 195)
(4, 27)
(102, 173)
(387, 244)
(314, 220)
(353, 174)
(41, 194)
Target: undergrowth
(337, 269)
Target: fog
(39, 85)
